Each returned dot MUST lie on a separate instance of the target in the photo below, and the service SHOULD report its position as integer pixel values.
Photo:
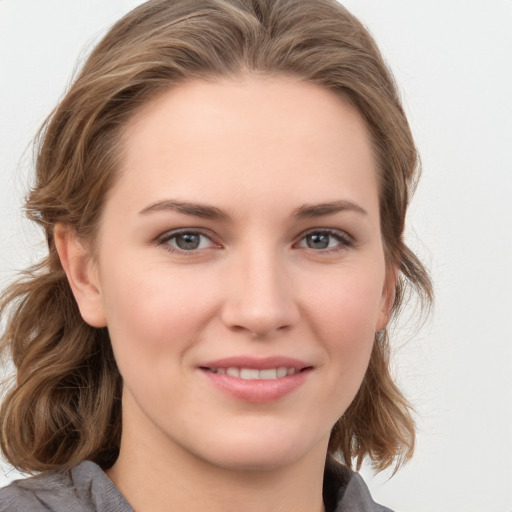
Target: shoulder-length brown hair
(64, 405)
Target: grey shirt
(86, 488)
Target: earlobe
(78, 264)
(388, 298)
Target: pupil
(188, 241)
(318, 241)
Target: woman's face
(240, 270)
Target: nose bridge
(260, 298)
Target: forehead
(213, 137)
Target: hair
(64, 405)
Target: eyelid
(162, 239)
(346, 240)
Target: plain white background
(453, 62)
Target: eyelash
(344, 239)
(172, 235)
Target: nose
(260, 299)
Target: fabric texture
(86, 488)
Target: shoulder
(348, 491)
(85, 488)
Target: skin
(258, 149)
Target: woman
(223, 191)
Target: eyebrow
(195, 209)
(310, 211)
(306, 211)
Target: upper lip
(256, 363)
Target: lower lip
(257, 390)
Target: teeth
(246, 373)
(268, 374)
(254, 374)
(233, 372)
(281, 372)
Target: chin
(262, 451)
(254, 461)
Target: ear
(388, 297)
(82, 274)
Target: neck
(162, 476)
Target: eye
(326, 239)
(185, 241)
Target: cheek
(153, 316)
(345, 316)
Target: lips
(254, 373)
(256, 380)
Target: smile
(257, 380)
(255, 374)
